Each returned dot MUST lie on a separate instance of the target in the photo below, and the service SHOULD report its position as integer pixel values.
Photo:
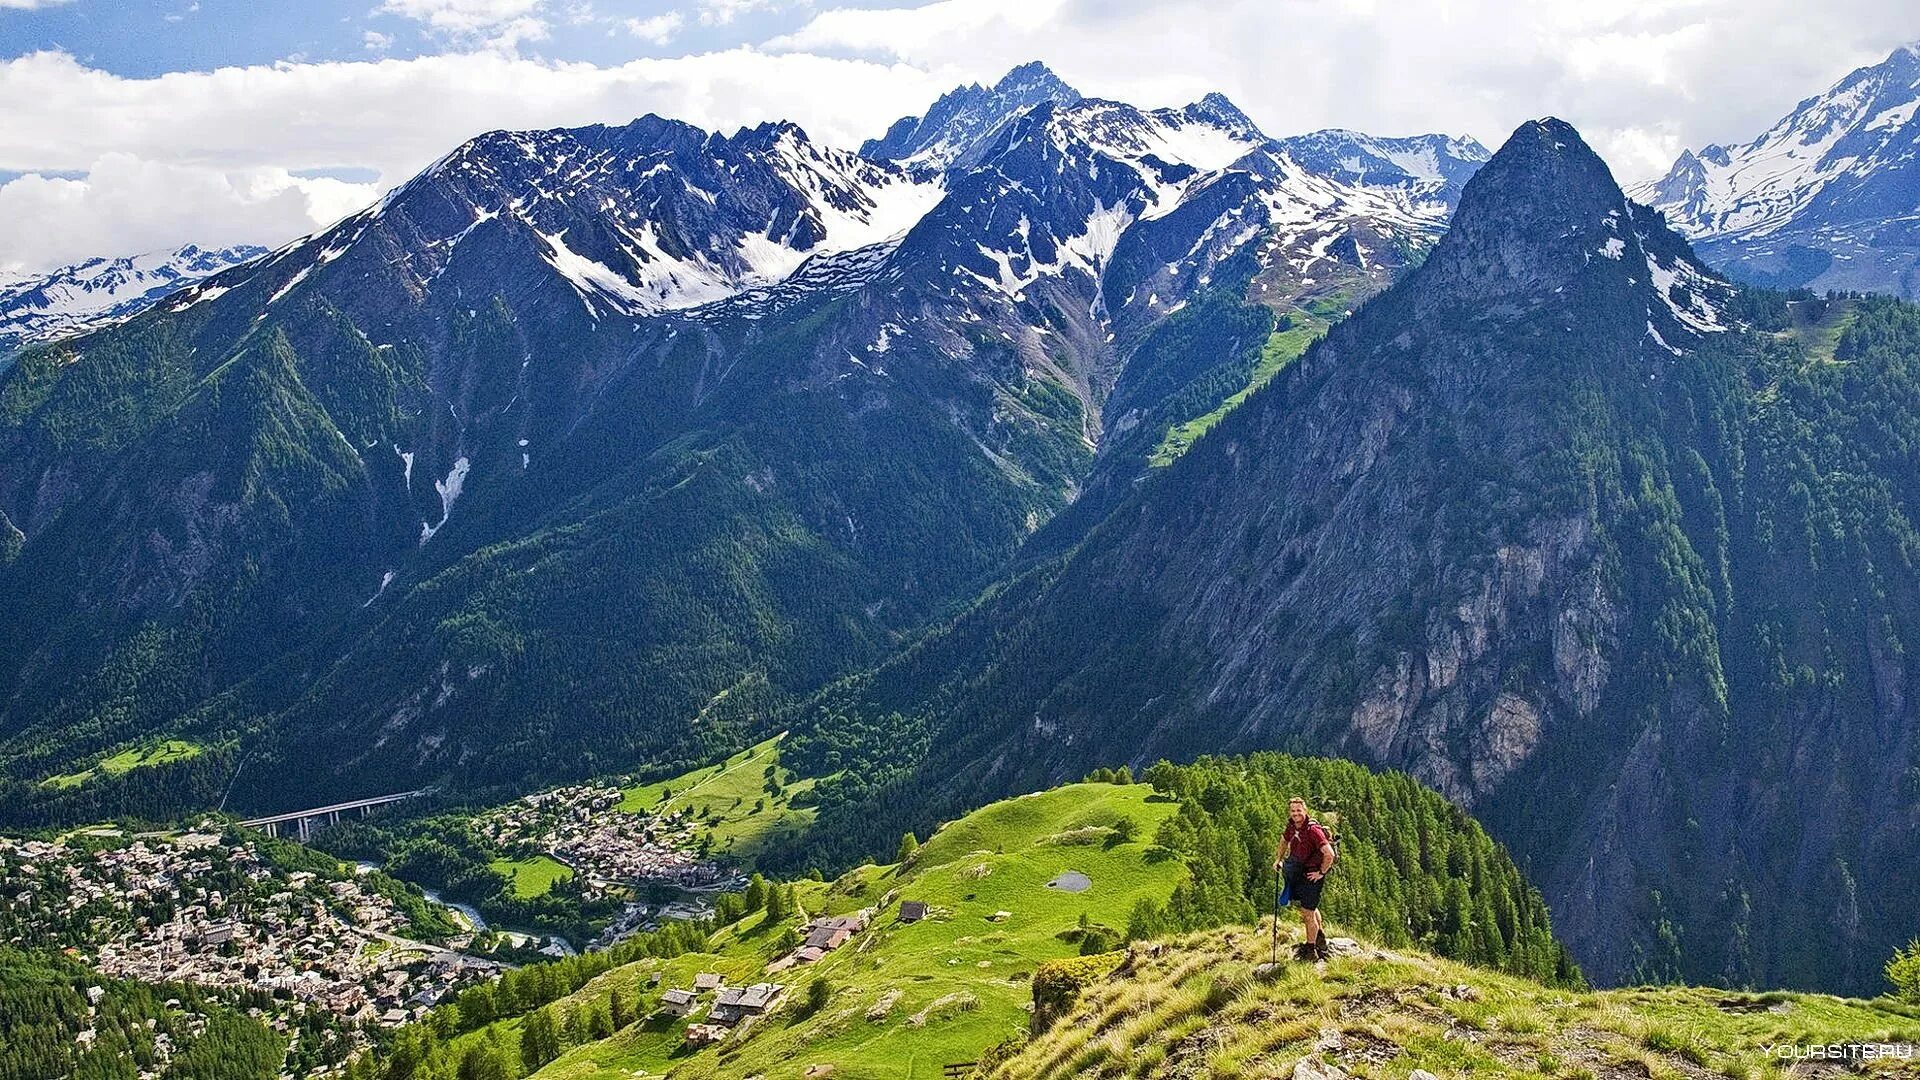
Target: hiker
(1303, 858)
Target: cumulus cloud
(126, 204)
(463, 16)
(659, 29)
(724, 12)
(30, 5)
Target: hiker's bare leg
(1312, 921)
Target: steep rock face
(1825, 198)
(1529, 526)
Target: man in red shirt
(1303, 858)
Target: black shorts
(1301, 891)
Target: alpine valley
(1041, 435)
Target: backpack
(1331, 828)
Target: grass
(533, 876)
(1821, 336)
(739, 815)
(1281, 348)
(1195, 1006)
(127, 760)
(938, 991)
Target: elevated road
(304, 820)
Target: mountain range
(1827, 198)
(1044, 433)
(585, 446)
(39, 307)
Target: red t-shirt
(1303, 845)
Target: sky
(140, 125)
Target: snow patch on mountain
(449, 490)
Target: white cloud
(724, 12)
(30, 5)
(463, 16)
(126, 204)
(658, 29)
(377, 42)
(390, 116)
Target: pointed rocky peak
(1543, 223)
(1222, 113)
(1034, 81)
(1536, 200)
(965, 119)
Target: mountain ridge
(448, 418)
(1825, 198)
(35, 307)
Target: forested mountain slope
(585, 447)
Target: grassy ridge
(907, 999)
(1281, 348)
(1196, 1007)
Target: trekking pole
(1273, 952)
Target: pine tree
(485, 1061)
(539, 1040)
(598, 1024)
(909, 846)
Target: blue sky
(142, 38)
(140, 125)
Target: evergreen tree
(484, 1060)
(909, 846)
(539, 1040)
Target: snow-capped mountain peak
(648, 217)
(38, 307)
(966, 119)
(1827, 195)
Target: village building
(735, 1004)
